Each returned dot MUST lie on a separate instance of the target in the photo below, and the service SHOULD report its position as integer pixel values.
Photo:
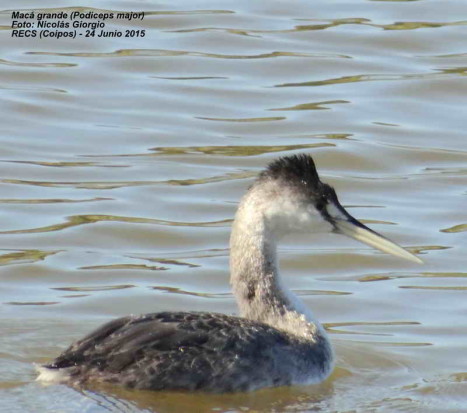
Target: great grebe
(276, 341)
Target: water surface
(123, 160)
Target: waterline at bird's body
(275, 342)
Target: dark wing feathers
(128, 334)
(213, 352)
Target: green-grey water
(123, 159)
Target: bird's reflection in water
(287, 398)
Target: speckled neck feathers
(255, 277)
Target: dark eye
(320, 205)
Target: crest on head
(297, 170)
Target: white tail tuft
(51, 376)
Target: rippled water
(123, 161)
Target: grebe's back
(193, 351)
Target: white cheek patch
(288, 216)
(319, 223)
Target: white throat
(255, 277)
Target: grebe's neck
(255, 278)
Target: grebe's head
(292, 198)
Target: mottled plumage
(190, 351)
